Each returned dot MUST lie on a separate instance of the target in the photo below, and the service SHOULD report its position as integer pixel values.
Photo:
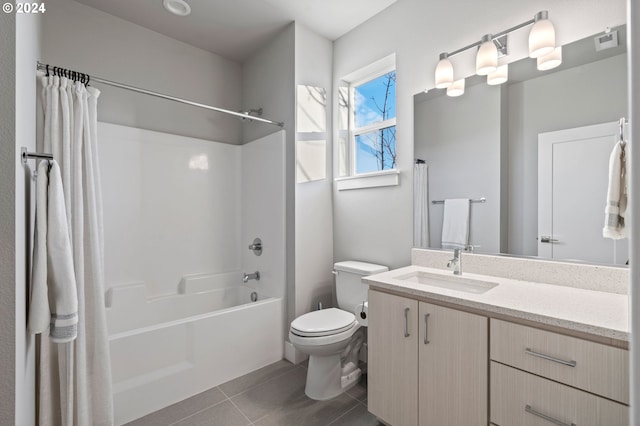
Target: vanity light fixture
(550, 60)
(499, 76)
(444, 72)
(456, 89)
(542, 41)
(487, 56)
(542, 38)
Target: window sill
(369, 180)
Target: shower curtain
(74, 379)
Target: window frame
(354, 132)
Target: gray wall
(19, 48)
(589, 94)
(461, 144)
(7, 219)
(314, 224)
(91, 41)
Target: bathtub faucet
(254, 276)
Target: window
(373, 123)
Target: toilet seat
(325, 322)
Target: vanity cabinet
(538, 374)
(392, 364)
(428, 365)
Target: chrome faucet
(254, 276)
(456, 262)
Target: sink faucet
(456, 262)
(253, 276)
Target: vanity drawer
(594, 367)
(523, 399)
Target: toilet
(333, 337)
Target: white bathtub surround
(263, 211)
(80, 370)
(610, 279)
(180, 214)
(187, 343)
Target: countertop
(592, 312)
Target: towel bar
(480, 200)
(25, 154)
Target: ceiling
(235, 29)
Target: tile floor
(273, 395)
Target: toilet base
(326, 378)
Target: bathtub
(169, 348)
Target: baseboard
(293, 355)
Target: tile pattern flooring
(273, 395)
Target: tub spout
(253, 276)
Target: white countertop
(594, 312)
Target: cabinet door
(393, 358)
(453, 367)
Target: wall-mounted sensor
(606, 41)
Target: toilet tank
(350, 291)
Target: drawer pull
(426, 329)
(530, 410)
(406, 322)
(550, 358)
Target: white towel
(54, 299)
(455, 224)
(616, 209)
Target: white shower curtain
(74, 379)
(420, 206)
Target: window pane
(376, 150)
(375, 100)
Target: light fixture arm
(540, 15)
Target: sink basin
(450, 282)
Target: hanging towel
(54, 299)
(616, 209)
(455, 223)
(420, 206)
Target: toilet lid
(323, 322)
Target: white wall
(589, 94)
(28, 44)
(262, 212)
(463, 159)
(313, 210)
(88, 40)
(172, 207)
(634, 117)
(376, 224)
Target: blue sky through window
(375, 101)
(370, 100)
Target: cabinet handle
(406, 322)
(426, 329)
(528, 409)
(550, 358)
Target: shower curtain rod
(49, 68)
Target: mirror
(485, 143)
